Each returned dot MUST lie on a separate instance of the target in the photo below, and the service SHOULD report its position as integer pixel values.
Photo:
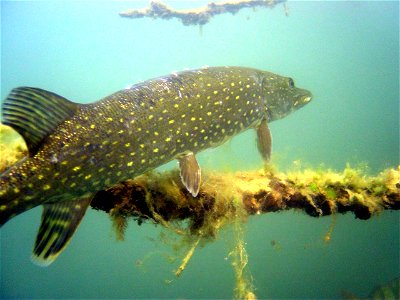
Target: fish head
(281, 96)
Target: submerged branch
(224, 196)
(199, 16)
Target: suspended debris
(198, 16)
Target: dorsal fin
(35, 113)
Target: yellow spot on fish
(88, 177)
(232, 84)
(72, 184)
(78, 126)
(164, 111)
(155, 150)
(3, 207)
(100, 170)
(237, 97)
(155, 133)
(130, 164)
(132, 153)
(182, 116)
(168, 139)
(215, 92)
(16, 190)
(151, 117)
(92, 126)
(198, 95)
(171, 121)
(40, 177)
(205, 138)
(127, 144)
(176, 105)
(209, 113)
(192, 119)
(141, 145)
(143, 161)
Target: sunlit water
(346, 53)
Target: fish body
(78, 149)
(389, 290)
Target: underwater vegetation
(199, 16)
(230, 198)
(12, 147)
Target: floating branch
(199, 16)
(225, 197)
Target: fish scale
(78, 149)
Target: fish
(76, 149)
(389, 290)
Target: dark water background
(346, 53)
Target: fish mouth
(307, 98)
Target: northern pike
(78, 149)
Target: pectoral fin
(264, 140)
(190, 173)
(59, 222)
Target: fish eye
(291, 82)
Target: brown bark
(224, 196)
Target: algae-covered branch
(225, 196)
(198, 16)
